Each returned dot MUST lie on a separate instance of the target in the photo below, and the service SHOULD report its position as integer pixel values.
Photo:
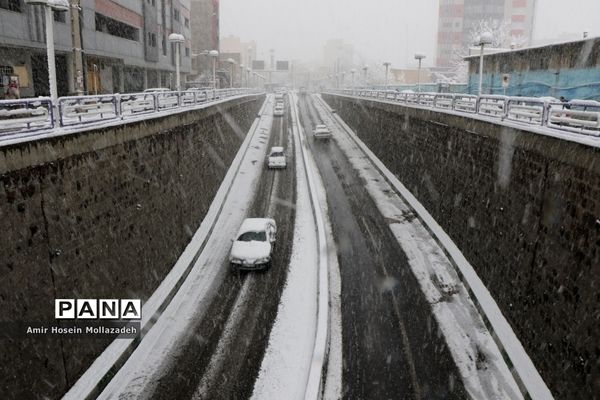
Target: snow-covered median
(285, 367)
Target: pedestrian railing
(527, 109)
(28, 115)
(579, 116)
(78, 110)
(466, 103)
(444, 101)
(494, 106)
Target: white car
(277, 158)
(279, 110)
(253, 247)
(322, 132)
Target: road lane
(222, 358)
(382, 306)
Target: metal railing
(27, 114)
(578, 116)
(36, 114)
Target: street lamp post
(242, 75)
(366, 70)
(248, 77)
(215, 55)
(231, 62)
(387, 67)
(419, 57)
(177, 39)
(353, 72)
(49, 7)
(485, 38)
(343, 78)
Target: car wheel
(235, 269)
(267, 266)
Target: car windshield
(278, 154)
(253, 237)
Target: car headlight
(235, 260)
(262, 260)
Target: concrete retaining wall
(524, 209)
(101, 214)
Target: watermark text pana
(122, 309)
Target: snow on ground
(333, 379)
(483, 370)
(155, 352)
(234, 320)
(285, 367)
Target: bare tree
(499, 29)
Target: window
(60, 16)
(187, 51)
(116, 28)
(6, 70)
(186, 22)
(253, 237)
(176, 15)
(11, 5)
(164, 44)
(151, 39)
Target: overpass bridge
(422, 252)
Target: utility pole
(387, 67)
(77, 46)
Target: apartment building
(459, 18)
(125, 45)
(205, 37)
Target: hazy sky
(380, 30)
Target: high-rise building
(125, 45)
(510, 21)
(450, 31)
(247, 50)
(205, 36)
(520, 16)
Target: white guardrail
(36, 114)
(578, 116)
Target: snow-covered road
(361, 300)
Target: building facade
(450, 31)
(511, 21)
(520, 18)
(246, 52)
(205, 37)
(125, 45)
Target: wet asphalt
(223, 363)
(390, 344)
